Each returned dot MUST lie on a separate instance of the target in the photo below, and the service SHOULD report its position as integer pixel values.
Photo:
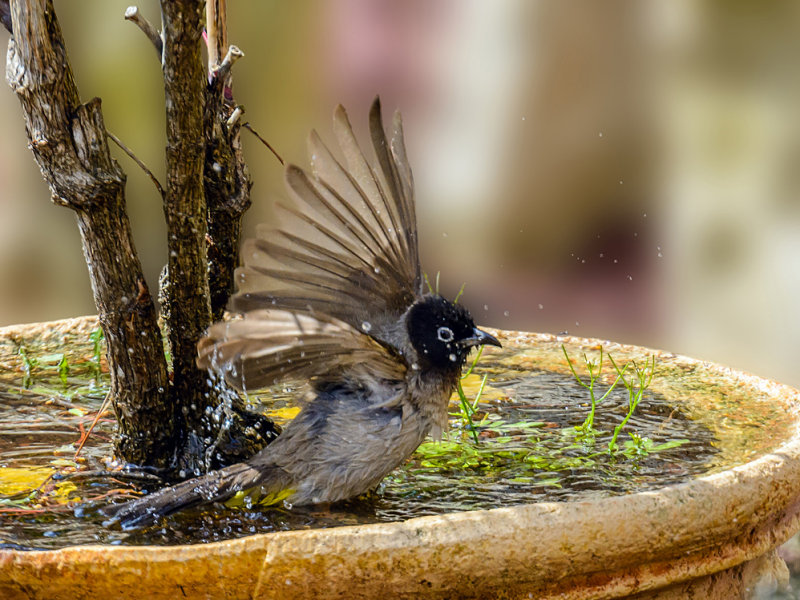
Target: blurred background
(622, 170)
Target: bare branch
(132, 14)
(216, 32)
(135, 159)
(234, 118)
(231, 57)
(263, 141)
(211, 35)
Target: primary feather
(347, 246)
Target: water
(528, 449)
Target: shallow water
(527, 450)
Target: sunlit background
(625, 170)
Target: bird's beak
(480, 338)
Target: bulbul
(334, 296)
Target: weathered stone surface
(713, 537)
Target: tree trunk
(68, 140)
(227, 181)
(199, 145)
(187, 294)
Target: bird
(333, 295)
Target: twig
(142, 166)
(216, 31)
(231, 56)
(263, 141)
(234, 118)
(211, 35)
(132, 14)
(114, 475)
(86, 435)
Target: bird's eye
(445, 334)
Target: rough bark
(227, 181)
(187, 294)
(201, 159)
(227, 185)
(68, 140)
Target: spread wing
(347, 246)
(270, 345)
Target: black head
(443, 333)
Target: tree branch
(224, 69)
(187, 293)
(133, 15)
(136, 159)
(226, 179)
(68, 140)
(263, 141)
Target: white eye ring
(445, 334)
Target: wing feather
(347, 246)
(268, 346)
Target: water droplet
(444, 235)
(366, 326)
(630, 277)
(485, 307)
(600, 134)
(377, 270)
(452, 357)
(506, 313)
(541, 306)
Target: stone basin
(712, 537)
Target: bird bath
(712, 536)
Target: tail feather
(215, 486)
